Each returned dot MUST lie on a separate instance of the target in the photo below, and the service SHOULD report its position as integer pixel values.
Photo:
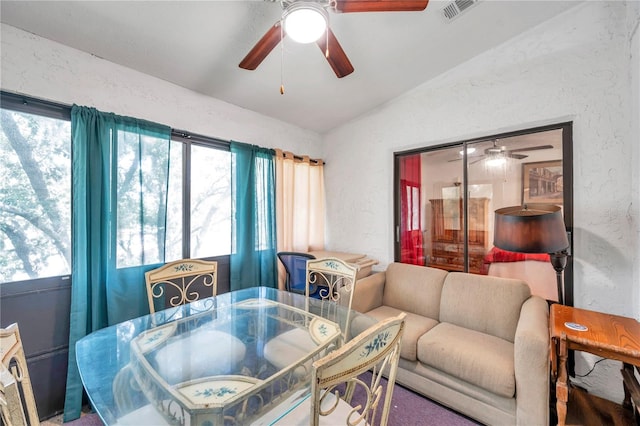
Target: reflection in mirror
(439, 227)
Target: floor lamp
(534, 228)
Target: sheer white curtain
(300, 207)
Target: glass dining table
(204, 363)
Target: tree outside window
(35, 196)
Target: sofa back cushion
(486, 304)
(414, 289)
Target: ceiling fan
(498, 150)
(501, 151)
(317, 10)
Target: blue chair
(295, 264)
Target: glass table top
(211, 362)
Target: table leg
(631, 387)
(562, 390)
(626, 402)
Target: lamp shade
(533, 228)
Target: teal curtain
(120, 169)
(253, 252)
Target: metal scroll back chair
(15, 381)
(333, 280)
(338, 377)
(174, 284)
(180, 282)
(295, 265)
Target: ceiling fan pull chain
(281, 59)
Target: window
(140, 195)
(175, 216)
(210, 202)
(35, 193)
(199, 199)
(449, 225)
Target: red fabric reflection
(411, 250)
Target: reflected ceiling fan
(501, 151)
(307, 21)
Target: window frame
(567, 164)
(48, 109)
(188, 140)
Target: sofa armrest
(532, 363)
(367, 294)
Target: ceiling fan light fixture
(470, 150)
(305, 22)
(496, 161)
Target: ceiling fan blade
(263, 47)
(517, 156)
(347, 6)
(336, 57)
(532, 148)
(469, 157)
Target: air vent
(455, 8)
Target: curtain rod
(18, 102)
(225, 144)
(285, 154)
(193, 137)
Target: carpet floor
(411, 409)
(407, 409)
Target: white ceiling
(198, 45)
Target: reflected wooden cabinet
(447, 234)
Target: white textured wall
(44, 69)
(577, 67)
(633, 28)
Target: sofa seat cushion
(414, 288)
(488, 305)
(480, 359)
(415, 326)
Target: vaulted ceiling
(199, 44)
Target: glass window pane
(442, 193)
(262, 199)
(35, 197)
(411, 233)
(210, 202)
(511, 172)
(173, 249)
(141, 194)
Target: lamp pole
(559, 262)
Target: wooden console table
(609, 336)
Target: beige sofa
(477, 344)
